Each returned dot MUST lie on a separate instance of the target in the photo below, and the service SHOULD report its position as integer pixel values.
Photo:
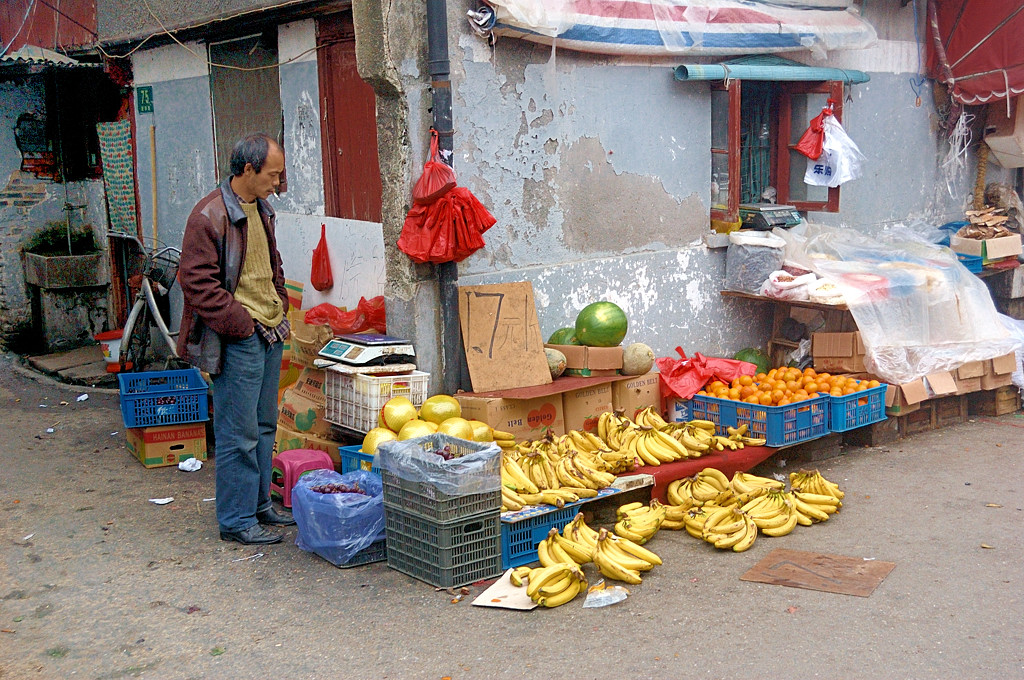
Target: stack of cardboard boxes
(301, 423)
(844, 353)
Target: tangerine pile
(784, 386)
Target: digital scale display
(368, 350)
(767, 216)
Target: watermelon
(756, 357)
(564, 336)
(601, 324)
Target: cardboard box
(590, 362)
(525, 418)
(989, 249)
(307, 340)
(1004, 134)
(991, 382)
(167, 444)
(972, 369)
(286, 440)
(838, 352)
(303, 415)
(583, 407)
(311, 384)
(999, 371)
(907, 397)
(636, 393)
(678, 410)
(968, 385)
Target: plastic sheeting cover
(676, 27)
(917, 308)
(472, 473)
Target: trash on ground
(82, 397)
(250, 557)
(504, 595)
(161, 501)
(190, 464)
(600, 595)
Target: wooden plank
(820, 571)
(997, 402)
(883, 432)
(60, 361)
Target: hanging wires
(954, 165)
(24, 20)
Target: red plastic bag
(448, 230)
(813, 138)
(368, 315)
(685, 377)
(321, 276)
(437, 179)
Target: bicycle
(159, 270)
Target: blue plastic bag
(336, 526)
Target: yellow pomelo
(380, 420)
(456, 427)
(440, 408)
(415, 428)
(482, 432)
(374, 438)
(397, 412)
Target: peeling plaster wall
(300, 97)
(23, 218)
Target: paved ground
(96, 582)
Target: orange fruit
(784, 402)
(809, 371)
(849, 390)
(862, 385)
(793, 385)
(777, 395)
(798, 397)
(836, 392)
(873, 383)
(765, 399)
(715, 385)
(752, 399)
(824, 376)
(746, 380)
(702, 393)
(811, 387)
(746, 391)
(771, 374)
(760, 376)
(734, 393)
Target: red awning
(976, 48)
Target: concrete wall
(28, 204)
(597, 170)
(183, 120)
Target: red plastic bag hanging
(685, 377)
(368, 315)
(320, 275)
(813, 138)
(437, 179)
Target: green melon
(601, 324)
(756, 357)
(556, 362)
(637, 359)
(564, 336)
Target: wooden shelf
(793, 303)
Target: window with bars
(755, 126)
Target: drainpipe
(447, 272)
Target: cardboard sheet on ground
(504, 595)
(501, 334)
(818, 571)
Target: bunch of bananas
(559, 549)
(645, 442)
(743, 482)
(639, 522)
(707, 486)
(811, 481)
(814, 506)
(622, 559)
(506, 440)
(729, 528)
(555, 471)
(552, 585)
(774, 513)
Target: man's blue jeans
(244, 426)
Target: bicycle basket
(163, 268)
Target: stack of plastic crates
(443, 540)
(353, 401)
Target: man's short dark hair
(252, 150)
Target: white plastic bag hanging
(840, 159)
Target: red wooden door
(348, 128)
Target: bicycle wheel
(135, 341)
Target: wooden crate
(949, 411)
(921, 420)
(876, 434)
(997, 402)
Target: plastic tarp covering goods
(679, 27)
(917, 307)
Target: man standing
(233, 325)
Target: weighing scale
(368, 350)
(767, 216)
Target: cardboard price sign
(501, 334)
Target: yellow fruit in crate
(416, 428)
(380, 420)
(440, 408)
(482, 432)
(456, 427)
(374, 438)
(397, 412)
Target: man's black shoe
(275, 518)
(254, 535)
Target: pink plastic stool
(288, 466)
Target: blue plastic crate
(851, 411)
(522, 530)
(163, 398)
(973, 263)
(779, 425)
(352, 458)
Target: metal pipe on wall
(447, 272)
